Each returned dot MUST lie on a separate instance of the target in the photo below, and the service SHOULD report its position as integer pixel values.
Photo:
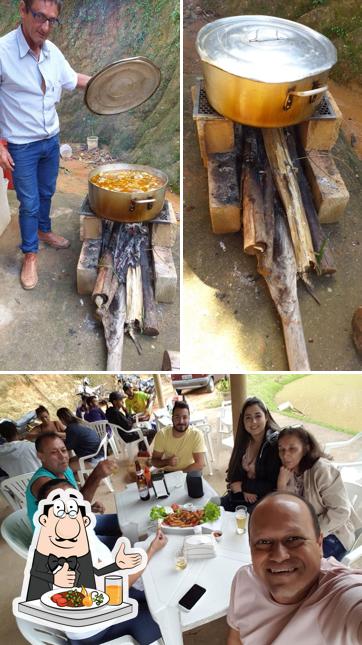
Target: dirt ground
(229, 307)
(52, 327)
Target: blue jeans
(107, 529)
(35, 177)
(142, 628)
(333, 546)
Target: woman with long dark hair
(307, 470)
(78, 436)
(254, 464)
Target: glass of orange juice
(113, 586)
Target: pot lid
(122, 85)
(265, 48)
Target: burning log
(101, 292)
(324, 256)
(114, 318)
(150, 322)
(280, 276)
(287, 184)
(134, 291)
(251, 190)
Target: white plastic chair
(226, 418)
(83, 470)
(101, 429)
(123, 445)
(14, 488)
(42, 635)
(354, 557)
(350, 470)
(17, 532)
(209, 454)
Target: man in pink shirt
(290, 594)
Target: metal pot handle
(133, 203)
(291, 93)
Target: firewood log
(286, 182)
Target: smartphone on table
(191, 597)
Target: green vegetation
(266, 387)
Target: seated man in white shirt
(16, 457)
(33, 72)
(290, 594)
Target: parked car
(182, 382)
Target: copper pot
(264, 71)
(135, 206)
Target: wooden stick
(150, 322)
(288, 188)
(282, 284)
(265, 260)
(325, 261)
(113, 320)
(104, 278)
(252, 195)
(134, 296)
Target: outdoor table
(164, 585)
(134, 513)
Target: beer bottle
(141, 482)
(148, 477)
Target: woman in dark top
(78, 437)
(254, 464)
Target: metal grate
(162, 218)
(202, 107)
(324, 110)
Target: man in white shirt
(16, 457)
(33, 72)
(290, 594)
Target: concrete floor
(11, 571)
(52, 327)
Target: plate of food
(79, 599)
(185, 518)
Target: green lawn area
(266, 387)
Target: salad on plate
(185, 516)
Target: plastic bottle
(142, 485)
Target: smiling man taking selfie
(290, 594)
(33, 72)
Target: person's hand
(172, 461)
(65, 577)
(251, 498)
(235, 487)
(98, 507)
(283, 478)
(105, 468)
(127, 560)
(6, 160)
(158, 542)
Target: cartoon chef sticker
(60, 571)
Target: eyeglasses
(41, 19)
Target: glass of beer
(180, 560)
(113, 586)
(241, 514)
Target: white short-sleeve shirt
(26, 113)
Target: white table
(133, 513)
(164, 585)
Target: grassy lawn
(266, 388)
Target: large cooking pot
(264, 71)
(136, 206)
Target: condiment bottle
(141, 483)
